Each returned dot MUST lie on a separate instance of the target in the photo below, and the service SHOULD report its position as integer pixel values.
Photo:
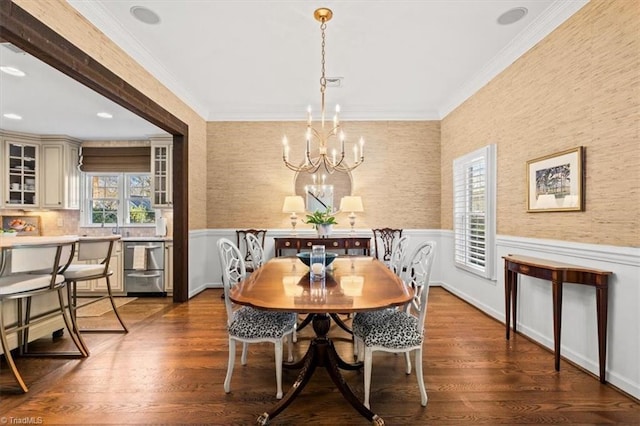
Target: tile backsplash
(67, 222)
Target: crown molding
(549, 20)
(537, 30)
(282, 115)
(105, 22)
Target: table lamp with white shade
(293, 204)
(351, 204)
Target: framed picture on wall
(556, 182)
(22, 225)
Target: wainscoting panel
(579, 342)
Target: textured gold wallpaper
(578, 86)
(399, 181)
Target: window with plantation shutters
(474, 183)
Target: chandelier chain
(330, 160)
(323, 80)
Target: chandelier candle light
(335, 161)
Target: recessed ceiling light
(12, 116)
(145, 15)
(12, 71)
(104, 115)
(512, 15)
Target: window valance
(115, 159)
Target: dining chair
(96, 250)
(397, 265)
(383, 240)
(27, 271)
(241, 243)
(399, 331)
(248, 325)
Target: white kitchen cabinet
(21, 174)
(60, 183)
(100, 286)
(161, 171)
(168, 267)
(39, 171)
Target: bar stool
(28, 270)
(92, 249)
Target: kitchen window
(118, 199)
(474, 183)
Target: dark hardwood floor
(169, 370)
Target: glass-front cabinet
(38, 171)
(21, 184)
(161, 158)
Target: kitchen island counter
(12, 241)
(41, 303)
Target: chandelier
(334, 160)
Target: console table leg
(557, 320)
(602, 303)
(514, 299)
(507, 301)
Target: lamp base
(352, 222)
(294, 222)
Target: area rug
(101, 307)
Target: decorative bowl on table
(305, 257)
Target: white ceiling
(260, 60)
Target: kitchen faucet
(116, 229)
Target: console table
(333, 243)
(558, 273)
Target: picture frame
(23, 225)
(555, 183)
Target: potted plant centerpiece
(323, 221)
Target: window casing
(117, 199)
(474, 212)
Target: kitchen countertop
(166, 239)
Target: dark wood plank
(169, 370)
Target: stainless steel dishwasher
(144, 268)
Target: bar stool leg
(113, 305)
(71, 303)
(7, 353)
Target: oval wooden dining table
(353, 284)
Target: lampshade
(351, 204)
(293, 204)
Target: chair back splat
(383, 240)
(399, 255)
(255, 247)
(233, 271)
(241, 243)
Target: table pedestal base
(321, 353)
